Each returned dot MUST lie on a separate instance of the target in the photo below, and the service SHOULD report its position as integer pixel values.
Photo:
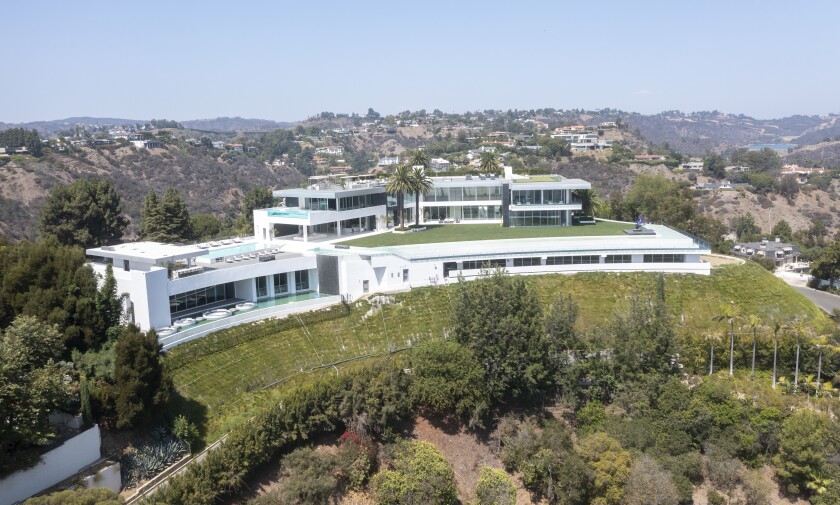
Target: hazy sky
(289, 60)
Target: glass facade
(479, 264)
(664, 258)
(539, 196)
(573, 260)
(262, 287)
(537, 218)
(357, 202)
(527, 262)
(198, 298)
(464, 194)
(618, 258)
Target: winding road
(821, 299)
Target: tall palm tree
(754, 323)
(729, 313)
(778, 324)
(712, 338)
(421, 184)
(418, 158)
(592, 205)
(800, 329)
(400, 183)
(489, 162)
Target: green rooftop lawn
(538, 178)
(470, 232)
(226, 386)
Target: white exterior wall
(55, 466)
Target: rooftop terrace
(471, 232)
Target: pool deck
(250, 316)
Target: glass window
(526, 262)
(301, 280)
(618, 258)
(262, 287)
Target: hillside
(210, 183)
(223, 374)
(235, 124)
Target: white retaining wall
(55, 466)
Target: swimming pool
(233, 251)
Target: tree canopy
(165, 220)
(141, 382)
(86, 213)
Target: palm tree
(800, 329)
(591, 204)
(729, 313)
(489, 162)
(400, 183)
(421, 184)
(712, 338)
(418, 158)
(778, 324)
(820, 342)
(754, 323)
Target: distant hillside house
(330, 150)
(649, 157)
(735, 168)
(389, 160)
(783, 254)
(802, 174)
(218, 144)
(608, 124)
(236, 147)
(439, 164)
(147, 144)
(692, 165)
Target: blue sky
(289, 60)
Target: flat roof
(148, 252)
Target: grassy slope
(470, 232)
(227, 383)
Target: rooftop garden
(469, 232)
(540, 178)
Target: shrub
(495, 487)
(418, 473)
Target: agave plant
(150, 457)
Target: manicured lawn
(228, 383)
(470, 232)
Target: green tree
(806, 441)
(827, 267)
(782, 230)
(152, 220)
(560, 329)
(257, 198)
(610, 464)
(205, 226)
(310, 478)
(494, 487)
(421, 184)
(789, 186)
(659, 200)
(489, 162)
(142, 385)
(418, 158)
(176, 214)
(745, 227)
(714, 165)
(499, 318)
(418, 474)
(31, 382)
(591, 203)
(449, 381)
(643, 338)
(400, 183)
(86, 213)
(165, 220)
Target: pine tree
(151, 218)
(141, 383)
(176, 214)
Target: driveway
(821, 299)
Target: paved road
(821, 299)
